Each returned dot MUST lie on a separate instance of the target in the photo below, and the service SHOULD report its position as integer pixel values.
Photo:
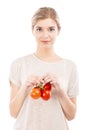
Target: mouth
(45, 42)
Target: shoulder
(70, 64)
(67, 62)
(22, 59)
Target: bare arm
(68, 105)
(17, 98)
(18, 94)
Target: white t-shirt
(39, 114)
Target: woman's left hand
(49, 77)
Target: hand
(32, 80)
(49, 77)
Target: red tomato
(35, 93)
(47, 86)
(45, 94)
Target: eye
(51, 29)
(39, 29)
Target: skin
(45, 32)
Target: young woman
(42, 67)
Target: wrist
(60, 92)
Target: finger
(48, 79)
(46, 75)
(41, 80)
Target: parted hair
(44, 13)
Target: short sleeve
(73, 88)
(15, 72)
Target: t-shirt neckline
(43, 61)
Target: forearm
(17, 102)
(68, 106)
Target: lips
(45, 41)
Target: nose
(45, 34)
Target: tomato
(47, 86)
(35, 93)
(43, 91)
(45, 94)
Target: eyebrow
(42, 27)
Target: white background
(16, 40)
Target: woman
(43, 66)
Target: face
(45, 32)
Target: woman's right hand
(19, 93)
(32, 80)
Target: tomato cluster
(43, 91)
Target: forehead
(46, 23)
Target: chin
(47, 45)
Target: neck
(44, 53)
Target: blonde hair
(44, 13)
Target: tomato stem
(40, 86)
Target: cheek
(38, 36)
(53, 37)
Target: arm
(68, 104)
(17, 98)
(18, 94)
